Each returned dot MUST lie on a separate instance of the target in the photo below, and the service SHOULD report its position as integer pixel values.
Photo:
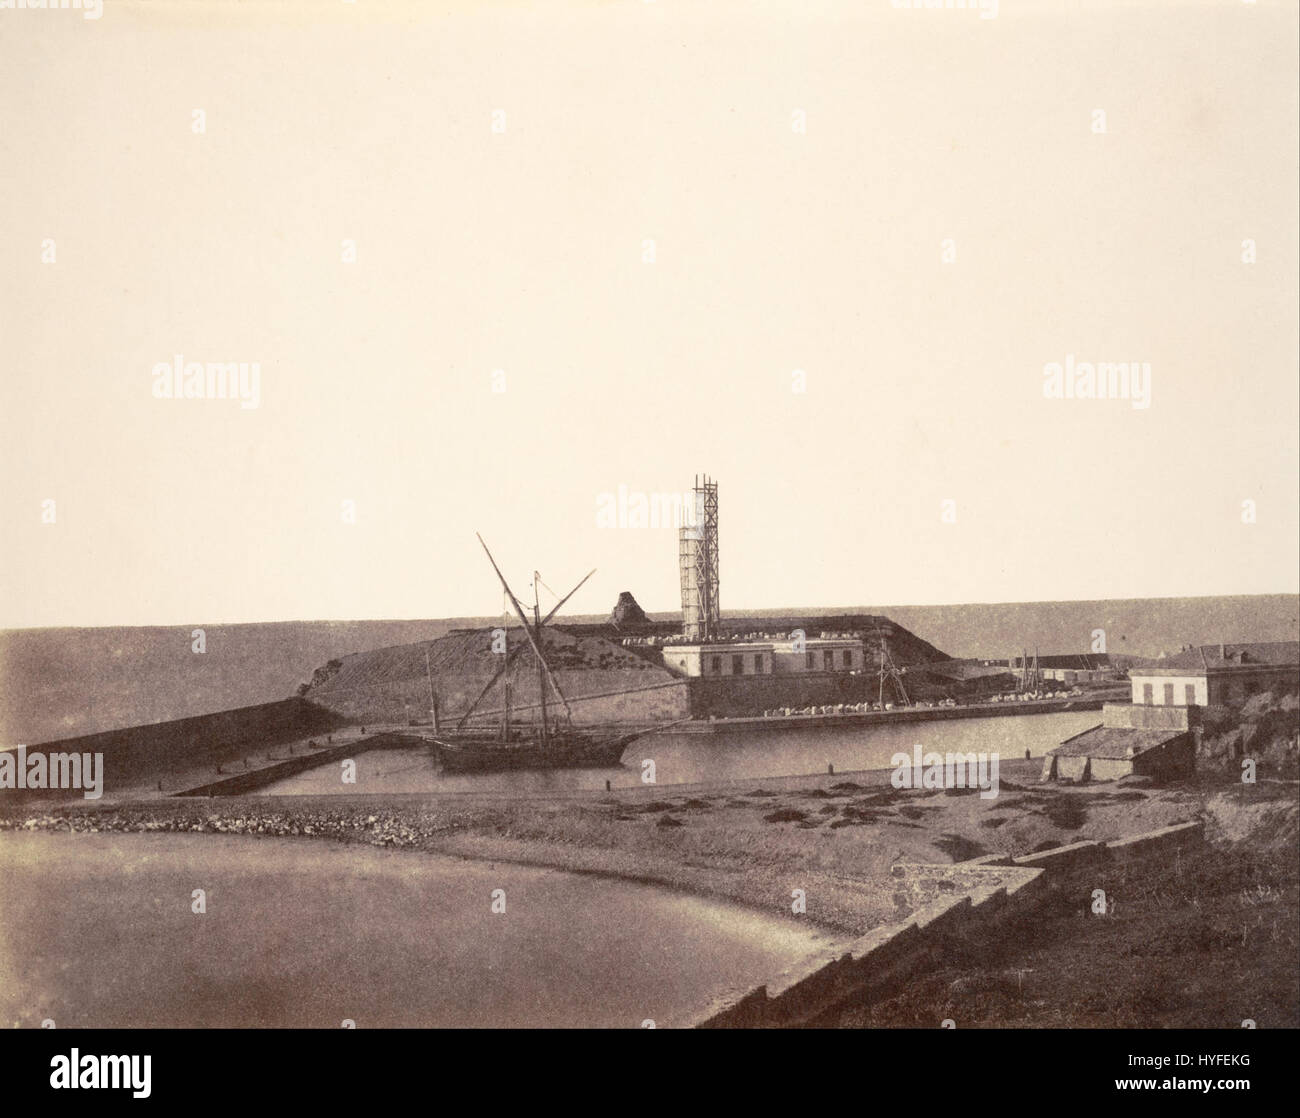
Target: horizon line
(739, 611)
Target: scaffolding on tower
(698, 560)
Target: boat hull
(469, 755)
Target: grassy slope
(1202, 942)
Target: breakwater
(312, 758)
(165, 756)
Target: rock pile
(627, 615)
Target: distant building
(1079, 675)
(788, 657)
(1217, 675)
(971, 678)
(1069, 668)
(1081, 661)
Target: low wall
(741, 696)
(998, 890)
(291, 766)
(1162, 843)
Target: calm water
(699, 758)
(98, 932)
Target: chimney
(1223, 651)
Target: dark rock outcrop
(627, 615)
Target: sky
(494, 261)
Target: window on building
(1169, 694)
(828, 660)
(848, 658)
(717, 665)
(758, 664)
(1189, 694)
(812, 663)
(1147, 695)
(737, 665)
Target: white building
(722, 658)
(1217, 675)
(818, 654)
(789, 657)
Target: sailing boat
(565, 749)
(536, 746)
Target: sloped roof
(962, 669)
(1113, 743)
(1081, 661)
(1216, 657)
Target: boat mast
(505, 721)
(533, 637)
(881, 698)
(433, 699)
(887, 665)
(510, 653)
(541, 664)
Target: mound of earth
(601, 680)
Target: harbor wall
(171, 752)
(745, 696)
(883, 717)
(242, 783)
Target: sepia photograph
(650, 514)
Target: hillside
(393, 684)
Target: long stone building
(1217, 674)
